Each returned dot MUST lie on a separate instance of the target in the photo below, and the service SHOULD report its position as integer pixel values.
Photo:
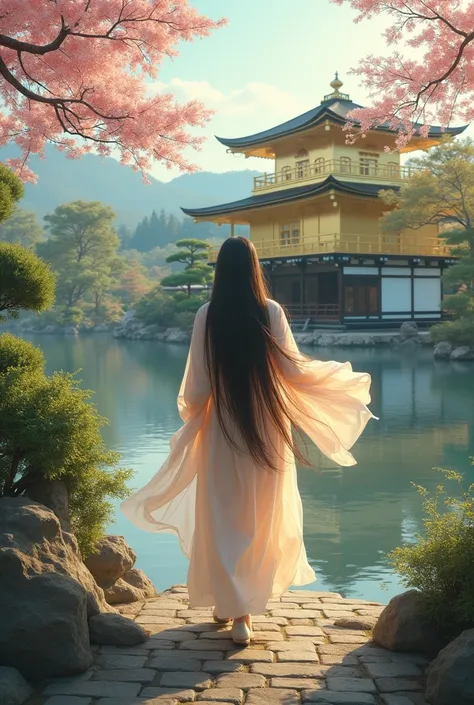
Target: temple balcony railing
(344, 168)
(317, 312)
(403, 245)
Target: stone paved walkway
(298, 656)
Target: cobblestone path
(298, 655)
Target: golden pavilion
(315, 221)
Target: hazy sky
(274, 60)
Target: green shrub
(11, 190)
(441, 563)
(168, 310)
(156, 307)
(184, 304)
(70, 316)
(458, 333)
(26, 281)
(185, 321)
(50, 429)
(19, 354)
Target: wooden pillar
(232, 232)
(267, 273)
(340, 282)
(302, 267)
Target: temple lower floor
(362, 292)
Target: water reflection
(353, 516)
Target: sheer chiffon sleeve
(195, 390)
(328, 399)
(167, 503)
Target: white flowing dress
(242, 526)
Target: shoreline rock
(409, 339)
(112, 559)
(403, 626)
(133, 586)
(14, 689)
(449, 677)
(52, 607)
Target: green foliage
(185, 320)
(458, 333)
(441, 563)
(442, 193)
(23, 228)
(90, 507)
(192, 253)
(11, 190)
(19, 354)
(70, 316)
(168, 310)
(134, 283)
(198, 275)
(26, 282)
(82, 250)
(50, 429)
(160, 231)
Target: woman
(228, 488)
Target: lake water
(352, 516)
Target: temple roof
(288, 194)
(335, 107)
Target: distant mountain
(229, 186)
(92, 178)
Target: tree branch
(18, 45)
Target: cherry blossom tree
(78, 73)
(429, 76)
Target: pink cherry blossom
(429, 76)
(76, 73)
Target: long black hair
(242, 356)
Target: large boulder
(450, 677)
(44, 630)
(404, 626)
(304, 338)
(115, 630)
(408, 329)
(176, 335)
(54, 495)
(464, 352)
(111, 560)
(325, 340)
(150, 332)
(31, 538)
(128, 318)
(443, 350)
(134, 586)
(46, 593)
(14, 690)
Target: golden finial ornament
(336, 84)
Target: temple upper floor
(313, 157)
(313, 146)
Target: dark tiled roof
(289, 194)
(336, 109)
